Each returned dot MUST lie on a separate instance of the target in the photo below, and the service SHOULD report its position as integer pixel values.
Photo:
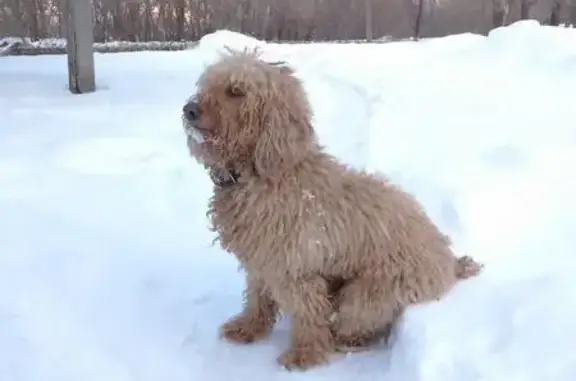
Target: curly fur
(341, 252)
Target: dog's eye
(235, 91)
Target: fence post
(368, 19)
(80, 30)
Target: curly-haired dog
(341, 252)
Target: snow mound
(212, 45)
(527, 40)
(226, 38)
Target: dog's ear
(284, 140)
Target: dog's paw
(357, 343)
(243, 330)
(361, 341)
(466, 267)
(303, 358)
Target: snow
(107, 271)
(58, 46)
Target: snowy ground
(107, 272)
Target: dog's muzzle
(191, 116)
(191, 111)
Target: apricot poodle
(340, 252)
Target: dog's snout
(191, 111)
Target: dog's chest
(272, 229)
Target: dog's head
(249, 115)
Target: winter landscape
(107, 268)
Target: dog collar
(231, 178)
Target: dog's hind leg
(258, 317)
(365, 314)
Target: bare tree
(418, 21)
(572, 12)
(169, 20)
(500, 12)
(525, 8)
(560, 12)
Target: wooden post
(368, 19)
(81, 77)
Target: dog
(341, 252)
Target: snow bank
(212, 45)
(528, 41)
(52, 46)
(486, 151)
(225, 38)
(9, 44)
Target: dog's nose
(191, 111)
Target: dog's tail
(466, 267)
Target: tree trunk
(525, 7)
(418, 21)
(572, 13)
(501, 9)
(180, 20)
(555, 14)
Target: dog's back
(363, 223)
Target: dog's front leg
(307, 303)
(258, 316)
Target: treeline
(177, 20)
